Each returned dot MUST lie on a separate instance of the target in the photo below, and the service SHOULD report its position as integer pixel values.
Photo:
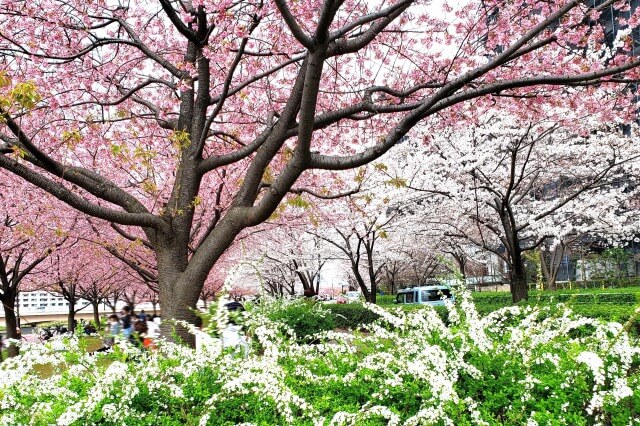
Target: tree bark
(9, 302)
(551, 261)
(363, 286)
(177, 297)
(519, 287)
(372, 278)
(176, 308)
(461, 260)
(96, 314)
(71, 316)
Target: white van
(352, 296)
(435, 295)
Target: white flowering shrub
(515, 366)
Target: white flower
(595, 364)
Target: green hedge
(387, 299)
(586, 298)
(497, 298)
(615, 305)
(504, 299)
(609, 306)
(351, 315)
(491, 301)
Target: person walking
(114, 329)
(126, 321)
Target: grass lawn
(47, 370)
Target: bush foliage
(352, 315)
(304, 317)
(519, 365)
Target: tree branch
(80, 203)
(293, 25)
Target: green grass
(47, 370)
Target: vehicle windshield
(436, 294)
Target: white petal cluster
(405, 358)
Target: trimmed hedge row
(504, 299)
(387, 299)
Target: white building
(43, 301)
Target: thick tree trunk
(519, 287)
(316, 288)
(177, 308)
(363, 288)
(307, 287)
(462, 262)
(177, 298)
(361, 283)
(11, 323)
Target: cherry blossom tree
(385, 243)
(551, 255)
(133, 112)
(278, 279)
(359, 225)
(65, 276)
(113, 295)
(82, 273)
(516, 186)
(98, 284)
(29, 234)
(210, 290)
(288, 257)
(94, 293)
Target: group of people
(139, 329)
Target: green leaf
(299, 202)
(25, 94)
(397, 182)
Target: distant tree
(29, 235)
(513, 185)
